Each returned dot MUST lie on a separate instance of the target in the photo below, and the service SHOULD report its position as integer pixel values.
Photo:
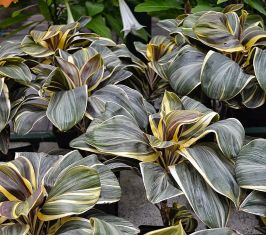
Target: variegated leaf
(170, 103)
(74, 192)
(259, 64)
(184, 72)
(33, 166)
(27, 119)
(215, 231)
(5, 107)
(71, 226)
(122, 225)
(222, 78)
(251, 165)
(110, 188)
(20, 72)
(18, 229)
(33, 49)
(215, 28)
(216, 209)
(255, 203)
(229, 135)
(172, 230)
(158, 184)
(213, 167)
(67, 108)
(120, 136)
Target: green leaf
(158, 5)
(222, 78)
(94, 8)
(184, 72)
(78, 11)
(221, 1)
(98, 25)
(212, 165)
(67, 108)
(158, 185)
(259, 64)
(215, 211)
(172, 230)
(75, 191)
(203, 5)
(44, 9)
(255, 203)
(115, 23)
(258, 5)
(9, 21)
(251, 165)
(216, 231)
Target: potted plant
(47, 194)
(148, 69)
(15, 80)
(173, 146)
(223, 57)
(68, 67)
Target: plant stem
(40, 228)
(163, 212)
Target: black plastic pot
(253, 120)
(11, 152)
(148, 228)
(249, 117)
(64, 138)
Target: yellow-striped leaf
(74, 192)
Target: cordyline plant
(72, 66)
(42, 44)
(183, 149)
(15, 75)
(45, 194)
(148, 72)
(223, 56)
